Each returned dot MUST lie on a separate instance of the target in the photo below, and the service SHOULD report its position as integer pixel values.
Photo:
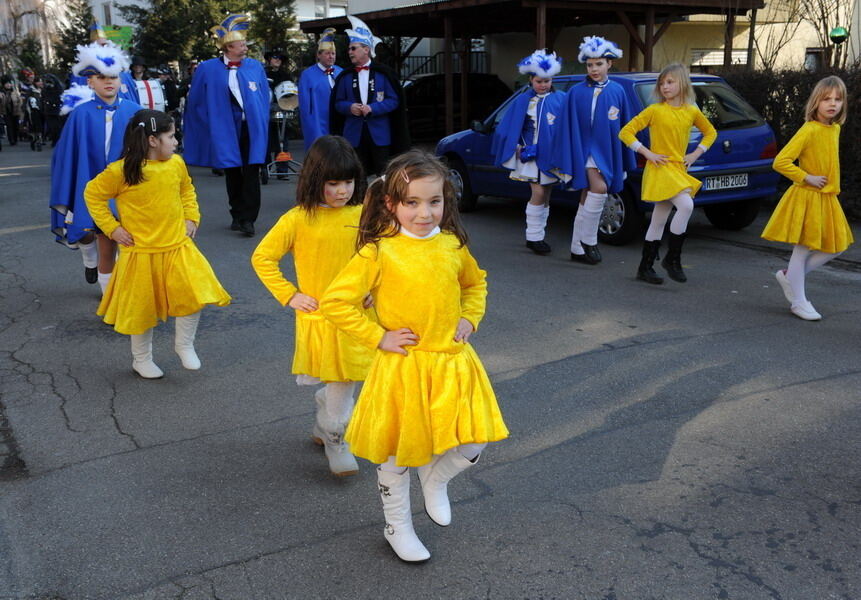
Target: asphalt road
(675, 442)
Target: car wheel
(733, 215)
(457, 174)
(621, 222)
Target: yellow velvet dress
(806, 215)
(321, 244)
(669, 133)
(438, 396)
(163, 274)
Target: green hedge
(780, 96)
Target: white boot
(434, 478)
(399, 532)
(186, 329)
(104, 279)
(329, 433)
(142, 353)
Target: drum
(287, 95)
(151, 94)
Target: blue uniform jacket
(579, 138)
(382, 98)
(213, 119)
(78, 158)
(507, 135)
(314, 96)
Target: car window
(719, 103)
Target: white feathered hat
(94, 59)
(361, 34)
(540, 64)
(598, 47)
(74, 97)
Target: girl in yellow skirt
(427, 401)
(321, 234)
(160, 271)
(666, 182)
(809, 214)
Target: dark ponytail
(143, 124)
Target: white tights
(339, 401)
(468, 451)
(802, 262)
(684, 205)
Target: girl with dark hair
(427, 401)
(321, 234)
(160, 271)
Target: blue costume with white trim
(79, 156)
(128, 88)
(315, 91)
(382, 98)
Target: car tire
(733, 216)
(621, 221)
(459, 177)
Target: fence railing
(420, 65)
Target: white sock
(795, 273)
(577, 231)
(592, 209)
(104, 278)
(470, 451)
(536, 221)
(89, 254)
(391, 466)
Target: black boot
(673, 260)
(645, 270)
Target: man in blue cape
(91, 139)
(315, 90)
(227, 121)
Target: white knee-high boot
(334, 407)
(434, 478)
(186, 329)
(399, 532)
(143, 364)
(592, 209)
(536, 221)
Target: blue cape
(508, 132)
(213, 122)
(314, 96)
(128, 89)
(578, 138)
(78, 158)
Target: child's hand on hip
(394, 341)
(122, 237)
(817, 181)
(657, 159)
(303, 302)
(368, 302)
(190, 228)
(463, 331)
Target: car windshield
(719, 103)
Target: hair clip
(152, 123)
(404, 175)
(141, 124)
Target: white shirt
(364, 78)
(330, 77)
(109, 128)
(410, 234)
(233, 85)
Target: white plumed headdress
(598, 47)
(540, 64)
(94, 59)
(74, 97)
(361, 33)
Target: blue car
(736, 171)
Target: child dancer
(91, 139)
(160, 271)
(809, 214)
(666, 182)
(596, 108)
(321, 234)
(427, 401)
(523, 141)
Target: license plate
(725, 182)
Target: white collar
(323, 68)
(409, 234)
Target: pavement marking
(21, 167)
(20, 229)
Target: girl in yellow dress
(160, 271)
(809, 215)
(666, 182)
(321, 234)
(427, 401)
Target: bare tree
(16, 33)
(825, 15)
(779, 22)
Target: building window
(814, 59)
(106, 10)
(713, 57)
(337, 10)
(319, 9)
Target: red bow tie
(330, 70)
(233, 63)
(365, 68)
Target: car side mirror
(478, 127)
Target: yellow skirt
(665, 181)
(811, 219)
(325, 352)
(422, 404)
(146, 288)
